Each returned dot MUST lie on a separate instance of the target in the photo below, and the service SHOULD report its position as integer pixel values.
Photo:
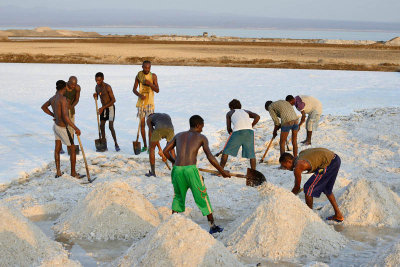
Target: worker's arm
(301, 166)
(135, 91)
(168, 148)
(254, 116)
(78, 95)
(45, 108)
(303, 117)
(153, 85)
(228, 122)
(211, 158)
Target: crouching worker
(160, 126)
(185, 174)
(325, 165)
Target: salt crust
(22, 243)
(178, 241)
(368, 203)
(282, 227)
(112, 210)
(389, 259)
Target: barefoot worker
(325, 165)
(185, 174)
(72, 93)
(312, 107)
(242, 134)
(107, 111)
(61, 120)
(160, 126)
(148, 84)
(289, 121)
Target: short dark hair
(60, 84)
(99, 74)
(285, 157)
(195, 120)
(146, 62)
(235, 104)
(289, 98)
(269, 102)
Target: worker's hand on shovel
(164, 158)
(95, 96)
(77, 131)
(226, 174)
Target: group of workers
(182, 148)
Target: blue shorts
(322, 180)
(241, 138)
(287, 129)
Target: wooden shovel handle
(97, 115)
(266, 151)
(84, 158)
(138, 130)
(217, 173)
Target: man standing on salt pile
(107, 111)
(72, 93)
(148, 84)
(289, 121)
(61, 124)
(312, 107)
(185, 174)
(325, 165)
(242, 134)
(160, 126)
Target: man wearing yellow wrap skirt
(148, 84)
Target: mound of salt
(23, 244)
(112, 210)
(368, 203)
(282, 226)
(390, 258)
(178, 241)
(393, 42)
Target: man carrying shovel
(160, 126)
(148, 84)
(61, 122)
(107, 111)
(185, 174)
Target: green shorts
(158, 134)
(241, 138)
(183, 178)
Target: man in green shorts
(160, 126)
(242, 134)
(185, 174)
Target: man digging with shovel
(61, 122)
(185, 174)
(107, 111)
(160, 126)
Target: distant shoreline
(78, 47)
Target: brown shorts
(158, 134)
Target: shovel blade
(136, 147)
(101, 145)
(76, 150)
(254, 178)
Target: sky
(343, 10)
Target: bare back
(187, 147)
(59, 106)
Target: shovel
(84, 159)
(253, 177)
(219, 153)
(266, 151)
(101, 144)
(137, 145)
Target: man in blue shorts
(289, 121)
(242, 134)
(325, 165)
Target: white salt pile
(23, 244)
(112, 210)
(282, 226)
(178, 241)
(368, 203)
(390, 258)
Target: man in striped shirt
(284, 111)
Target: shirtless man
(242, 134)
(148, 85)
(61, 120)
(185, 174)
(72, 93)
(160, 126)
(325, 165)
(107, 111)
